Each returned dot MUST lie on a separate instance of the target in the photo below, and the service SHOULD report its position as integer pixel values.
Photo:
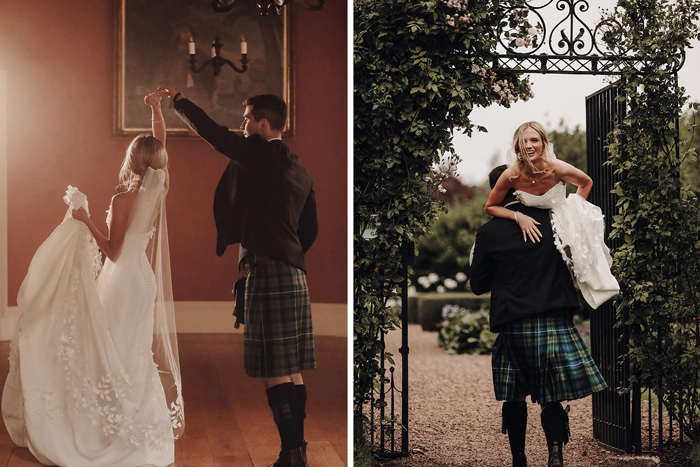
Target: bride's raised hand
(529, 227)
(153, 99)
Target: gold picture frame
(151, 43)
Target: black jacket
(524, 278)
(265, 199)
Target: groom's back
(524, 278)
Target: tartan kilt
(278, 335)
(543, 356)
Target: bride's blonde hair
(144, 151)
(519, 145)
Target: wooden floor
(227, 419)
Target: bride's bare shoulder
(509, 173)
(124, 201)
(559, 165)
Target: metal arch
(571, 47)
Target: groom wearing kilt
(265, 201)
(538, 351)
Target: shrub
(465, 331)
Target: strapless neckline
(553, 198)
(560, 185)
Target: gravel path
(454, 418)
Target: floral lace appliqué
(104, 399)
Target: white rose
(450, 283)
(532, 31)
(433, 278)
(519, 42)
(461, 277)
(74, 198)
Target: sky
(557, 97)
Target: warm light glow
(3, 193)
(191, 45)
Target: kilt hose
(543, 356)
(278, 335)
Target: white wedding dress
(579, 233)
(94, 378)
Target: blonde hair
(519, 144)
(144, 151)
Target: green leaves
(658, 217)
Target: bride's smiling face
(533, 147)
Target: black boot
(556, 456)
(291, 458)
(515, 424)
(555, 422)
(520, 460)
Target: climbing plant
(658, 217)
(420, 67)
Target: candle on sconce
(191, 47)
(213, 51)
(244, 46)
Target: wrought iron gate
(388, 408)
(612, 421)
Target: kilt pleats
(545, 357)
(278, 332)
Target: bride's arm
(110, 245)
(157, 119)
(571, 174)
(493, 207)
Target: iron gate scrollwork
(570, 47)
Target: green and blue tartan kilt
(278, 334)
(545, 357)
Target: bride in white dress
(539, 180)
(94, 372)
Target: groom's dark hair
(268, 106)
(495, 174)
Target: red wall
(59, 59)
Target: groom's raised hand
(170, 92)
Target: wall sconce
(266, 6)
(216, 60)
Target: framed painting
(152, 49)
